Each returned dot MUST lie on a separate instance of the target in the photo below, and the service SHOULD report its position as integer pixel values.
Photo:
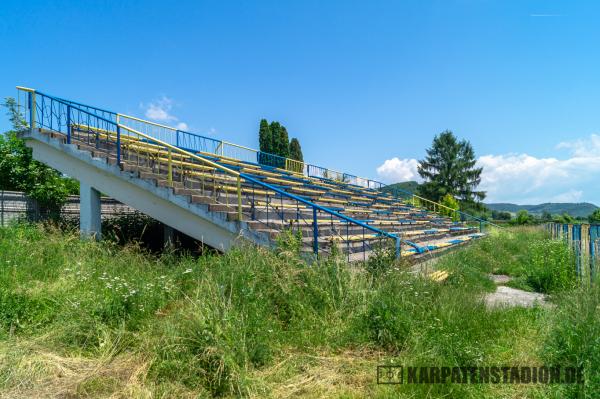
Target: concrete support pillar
(168, 235)
(90, 212)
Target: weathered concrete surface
(500, 278)
(90, 209)
(508, 297)
(161, 203)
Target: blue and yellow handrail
(32, 93)
(186, 140)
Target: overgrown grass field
(97, 320)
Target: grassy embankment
(83, 319)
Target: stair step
(269, 213)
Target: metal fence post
(2, 208)
(239, 197)
(68, 124)
(31, 110)
(118, 145)
(592, 255)
(576, 243)
(315, 232)
(170, 168)
(398, 248)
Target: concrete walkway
(508, 297)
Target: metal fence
(15, 206)
(584, 240)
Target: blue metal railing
(195, 142)
(58, 115)
(80, 114)
(316, 207)
(109, 115)
(66, 117)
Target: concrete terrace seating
(266, 211)
(258, 201)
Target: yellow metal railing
(294, 166)
(231, 150)
(171, 150)
(415, 200)
(33, 104)
(223, 148)
(178, 150)
(436, 207)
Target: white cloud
(396, 169)
(589, 147)
(182, 126)
(524, 178)
(160, 111)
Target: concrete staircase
(222, 200)
(211, 196)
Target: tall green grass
(264, 323)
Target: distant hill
(410, 186)
(582, 209)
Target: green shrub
(574, 339)
(550, 267)
(289, 242)
(23, 312)
(523, 217)
(387, 321)
(382, 260)
(450, 202)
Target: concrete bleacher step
(270, 213)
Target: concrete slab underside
(158, 202)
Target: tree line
(273, 139)
(523, 217)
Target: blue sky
(364, 85)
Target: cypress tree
(296, 150)
(274, 147)
(264, 136)
(274, 139)
(284, 143)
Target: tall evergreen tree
(264, 136)
(449, 168)
(275, 127)
(296, 150)
(284, 143)
(273, 139)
